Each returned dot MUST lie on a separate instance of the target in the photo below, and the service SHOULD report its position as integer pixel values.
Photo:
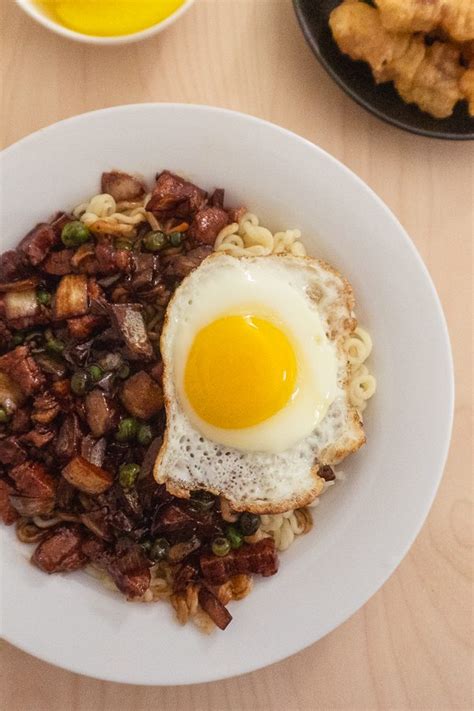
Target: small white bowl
(44, 19)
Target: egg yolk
(240, 371)
(109, 17)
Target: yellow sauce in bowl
(109, 18)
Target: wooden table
(409, 647)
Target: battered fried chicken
(467, 88)
(434, 82)
(358, 31)
(427, 75)
(456, 17)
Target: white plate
(363, 527)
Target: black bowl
(357, 81)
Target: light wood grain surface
(410, 646)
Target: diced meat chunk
(142, 396)
(175, 197)
(8, 513)
(207, 224)
(65, 494)
(97, 522)
(143, 271)
(45, 409)
(97, 552)
(214, 608)
(129, 323)
(69, 438)
(11, 452)
(58, 263)
(62, 391)
(12, 265)
(37, 243)
(72, 296)
(130, 570)
(22, 369)
(183, 264)
(83, 327)
(101, 413)
(186, 574)
(132, 585)
(20, 285)
(20, 304)
(60, 550)
(108, 259)
(131, 574)
(32, 505)
(171, 520)
(39, 436)
(20, 421)
(236, 213)
(11, 397)
(41, 317)
(217, 198)
(87, 477)
(259, 558)
(122, 186)
(32, 479)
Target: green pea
(80, 382)
(124, 371)
(159, 550)
(4, 417)
(43, 297)
(249, 523)
(126, 430)
(220, 546)
(95, 372)
(75, 233)
(154, 241)
(175, 239)
(128, 474)
(144, 434)
(234, 537)
(55, 345)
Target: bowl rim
(35, 13)
(347, 88)
(378, 577)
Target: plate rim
(380, 577)
(392, 121)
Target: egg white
(259, 288)
(259, 481)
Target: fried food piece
(428, 76)
(358, 31)
(467, 88)
(433, 83)
(467, 53)
(456, 17)
(410, 15)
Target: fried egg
(255, 377)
